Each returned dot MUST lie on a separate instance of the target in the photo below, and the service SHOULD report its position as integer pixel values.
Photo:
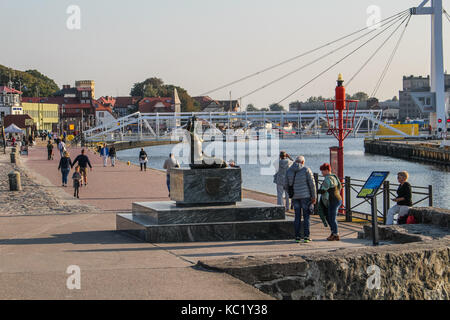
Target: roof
(123, 102)
(5, 89)
(17, 119)
(151, 104)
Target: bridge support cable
(338, 62)
(375, 52)
(386, 68)
(301, 55)
(320, 58)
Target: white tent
(13, 129)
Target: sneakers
(333, 237)
(297, 240)
(306, 240)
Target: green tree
(276, 107)
(251, 107)
(361, 96)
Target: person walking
(49, 150)
(76, 177)
(331, 199)
(83, 162)
(112, 155)
(170, 163)
(301, 179)
(403, 199)
(61, 147)
(143, 159)
(279, 178)
(65, 163)
(104, 153)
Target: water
(358, 165)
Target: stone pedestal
(205, 186)
(206, 205)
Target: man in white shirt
(171, 162)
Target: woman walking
(143, 159)
(65, 164)
(331, 199)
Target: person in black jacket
(65, 164)
(83, 162)
(403, 199)
(143, 159)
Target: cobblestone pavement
(38, 197)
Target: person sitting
(404, 200)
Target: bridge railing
(357, 208)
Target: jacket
(104, 152)
(65, 163)
(280, 176)
(304, 184)
(82, 160)
(330, 189)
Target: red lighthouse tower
(340, 124)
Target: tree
(361, 96)
(251, 107)
(395, 98)
(276, 107)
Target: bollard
(14, 181)
(13, 157)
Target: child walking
(76, 177)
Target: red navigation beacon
(341, 121)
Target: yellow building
(86, 84)
(44, 114)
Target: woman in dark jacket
(404, 199)
(65, 164)
(143, 159)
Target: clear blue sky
(202, 44)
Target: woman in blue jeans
(331, 199)
(65, 164)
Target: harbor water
(257, 172)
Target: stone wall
(414, 266)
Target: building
(415, 100)
(86, 85)
(210, 105)
(9, 101)
(154, 105)
(45, 115)
(23, 121)
(125, 105)
(103, 113)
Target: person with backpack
(302, 190)
(104, 153)
(331, 199)
(280, 179)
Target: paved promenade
(36, 249)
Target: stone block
(203, 186)
(167, 212)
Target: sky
(202, 44)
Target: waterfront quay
(38, 244)
(418, 150)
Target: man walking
(171, 162)
(104, 153)
(83, 162)
(112, 155)
(302, 179)
(49, 150)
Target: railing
(355, 207)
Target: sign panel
(372, 184)
(71, 127)
(334, 159)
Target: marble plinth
(143, 228)
(205, 186)
(167, 212)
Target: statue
(199, 160)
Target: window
(101, 114)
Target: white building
(9, 101)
